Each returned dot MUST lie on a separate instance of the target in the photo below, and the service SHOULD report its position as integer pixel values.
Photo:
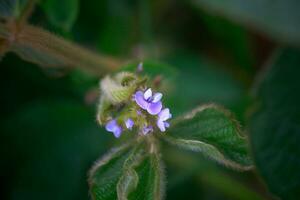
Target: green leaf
(105, 174)
(127, 173)
(151, 182)
(129, 178)
(210, 178)
(61, 14)
(211, 130)
(278, 19)
(275, 125)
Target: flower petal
(148, 94)
(111, 125)
(160, 124)
(154, 108)
(117, 132)
(167, 124)
(164, 114)
(157, 97)
(129, 123)
(139, 99)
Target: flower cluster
(146, 112)
(153, 105)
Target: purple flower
(149, 102)
(163, 116)
(147, 129)
(113, 127)
(129, 123)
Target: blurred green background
(49, 137)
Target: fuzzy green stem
(46, 49)
(64, 53)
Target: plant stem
(41, 47)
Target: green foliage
(136, 173)
(61, 14)
(274, 124)
(151, 183)
(128, 173)
(279, 19)
(48, 145)
(211, 130)
(182, 165)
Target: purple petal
(157, 97)
(164, 114)
(139, 99)
(148, 94)
(160, 124)
(167, 124)
(129, 123)
(154, 108)
(111, 125)
(117, 132)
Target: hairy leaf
(213, 131)
(280, 19)
(151, 179)
(275, 125)
(105, 174)
(127, 173)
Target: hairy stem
(46, 49)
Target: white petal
(148, 94)
(160, 124)
(164, 114)
(157, 97)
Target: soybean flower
(149, 102)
